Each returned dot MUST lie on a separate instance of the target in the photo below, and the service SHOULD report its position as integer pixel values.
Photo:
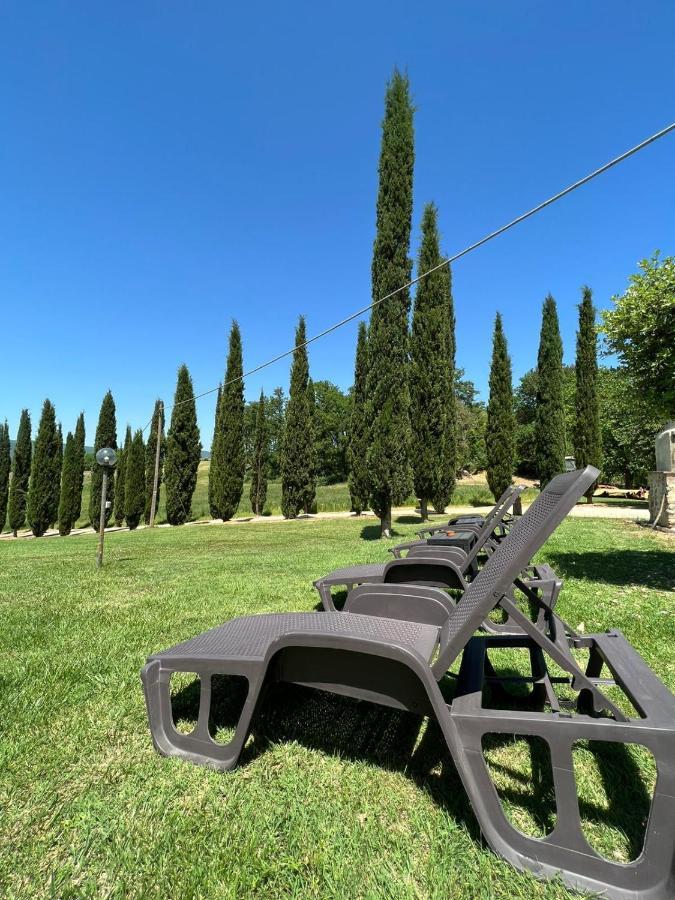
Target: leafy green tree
(297, 464)
(226, 471)
(309, 500)
(79, 463)
(18, 491)
(628, 425)
(471, 416)
(276, 426)
(121, 478)
(587, 438)
(45, 474)
(258, 492)
(156, 425)
(388, 460)
(359, 432)
(499, 438)
(5, 466)
(106, 436)
(332, 410)
(183, 451)
(68, 479)
(550, 411)
(430, 380)
(134, 487)
(641, 331)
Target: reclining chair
(400, 664)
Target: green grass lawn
(330, 498)
(330, 800)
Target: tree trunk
(423, 509)
(385, 523)
(518, 506)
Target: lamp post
(106, 458)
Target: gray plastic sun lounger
(400, 664)
(498, 516)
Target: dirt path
(582, 510)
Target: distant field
(330, 497)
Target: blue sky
(165, 167)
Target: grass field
(330, 800)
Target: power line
(446, 262)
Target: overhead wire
(444, 262)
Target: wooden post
(101, 525)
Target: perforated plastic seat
(249, 638)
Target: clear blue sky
(165, 167)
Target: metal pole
(155, 480)
(101, 525)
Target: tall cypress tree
(150, 457)
(106, 436)
(44, 485)
(5, 466)
(18, 491)
(258, 493)
(121, 478)
(587, 440)
(214, 441)
(134, 483)
(297, 453)
(388, 459)
(56, 497)
(358, 427)
(550, 409)
(228, 463)
(78, 480)
(501, 423)
(447, 374)
(428, 367)
(183, 451)
(68, 478)
(309, 502)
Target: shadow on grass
(372, 533)
(409, 520)
(404, 742)
(647, 568)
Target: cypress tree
(309, 502)
(214, 441)
(226, 472)
(587, 440)
(134, 483)
(358, 427)
(18, 491)
(121, 479)
(550, 408)
(501, 423)
(258, 494)
(68, 478)
(56, 498)
(5, 466)
(388, 458)
(429, 369)
(43, 489)
(297, 455)
(447, 373)
(106, 436)
(183, 451)
(150, 454)
(78, 480)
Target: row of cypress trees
(550, 409)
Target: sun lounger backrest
(526, 536)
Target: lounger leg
(198, 746)
(565, 850)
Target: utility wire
(445, 262)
